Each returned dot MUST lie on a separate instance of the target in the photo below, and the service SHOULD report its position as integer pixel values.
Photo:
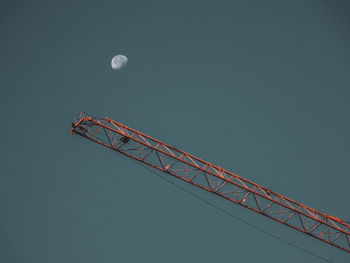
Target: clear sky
(260, 88)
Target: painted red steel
(214, 179)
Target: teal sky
(260, 88)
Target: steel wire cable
(232, 215)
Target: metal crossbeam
(214, 179)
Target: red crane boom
(214, 179)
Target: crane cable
(234, 216)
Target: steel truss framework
(214, 179)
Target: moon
(119, 61)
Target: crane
(191, 169)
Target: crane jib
(212, 178)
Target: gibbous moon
(119, 61)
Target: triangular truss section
(212, 178)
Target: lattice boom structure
(214, 179)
